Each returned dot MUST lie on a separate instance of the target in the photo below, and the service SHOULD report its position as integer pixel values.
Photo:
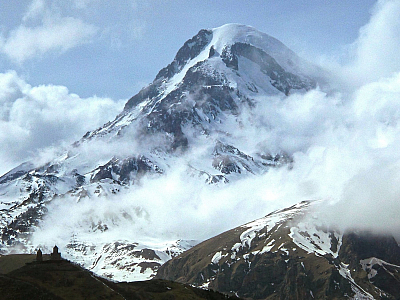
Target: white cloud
(368, 195)
(35, 10)
(43, 29)
(345, 150)
(333, 140)
(377, 48)
(82, 4)
(119, 35)
(32, 118)
(61, 34)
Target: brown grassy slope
(64, 280)
(12, 262)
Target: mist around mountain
(235, 127)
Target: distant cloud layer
(33, 118)
(345, 149)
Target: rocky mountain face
(290, 255)
(198, 99)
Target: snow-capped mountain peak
(230, 34)
(188, 122)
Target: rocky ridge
(289, 254)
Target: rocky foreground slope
(289, 254)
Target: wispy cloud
(82, 4)
(44, 29)
(35, 10)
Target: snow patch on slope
(369, 263)
(313, 238)
(359, 292)
(125, 260)
(272, 222)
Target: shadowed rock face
(282, 80)
(365, 245)
(276, 258)
(188, 51)
(123, 171)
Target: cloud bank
(345, 150)
(33, 118)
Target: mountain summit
(96, 199)
(214, 73)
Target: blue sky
(111, 49)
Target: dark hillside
(62, 279)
